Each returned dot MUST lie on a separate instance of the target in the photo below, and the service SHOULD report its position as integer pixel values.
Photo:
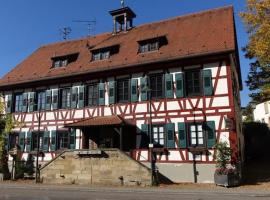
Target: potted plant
(225, 173)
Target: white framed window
(196, 135)
(149, 46)
(158, 132)
(101, 55)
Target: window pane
(193, 141)
(192, 128)
(18, 102)
(161, 141)
(57, 63)
(200, 134)
(64, 62)
(41, 100)
(156, 86)
(193, 82)
(193, 134)
(63, 140)
(65, 98)
(92, 95)
(123, 90)
(96, 56)
(196, 135)
(200, 141)
(158, 134)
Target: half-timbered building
(172, 85)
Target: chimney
(122, 19)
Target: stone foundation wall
(112, 167)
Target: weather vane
(123, 3)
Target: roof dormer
(122, 19)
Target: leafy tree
(3, 131)
(257, 21)
(248, 113)
(223, 156)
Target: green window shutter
(53, 140)
(170, 135)
(101, 95)
(25, 102)
(145, 129)
(81, 97)
(55, 99)
(74, 97)
(182, 136)
(169, 85)
(9, 103)
(211, 133)
(144, 88)
(32, 105)
(179, 79)
(7, 142)
(48, 99)
(111, 92)
(28, 142)
(207, 82)
(72, 139)
(45, 145)
(134, 90)
(22, 140)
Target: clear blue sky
(27, 24)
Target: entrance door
(100, 137)
(90, 136)
(108, 138)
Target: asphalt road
(41, 192)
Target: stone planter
(228, 180)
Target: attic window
(63, 61)
(104, 53)
(101, 55)
(152, 44)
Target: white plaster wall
(260, 113)
(220, 102)
(222, 86)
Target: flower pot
(226, 180)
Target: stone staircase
(95, 167)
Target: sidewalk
(263, 188)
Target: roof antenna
(122, 3)
(91, 25)
(65, 32)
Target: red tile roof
(191, 35)
(100, 121)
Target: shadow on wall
(257, 140)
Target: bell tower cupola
(122, 18)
